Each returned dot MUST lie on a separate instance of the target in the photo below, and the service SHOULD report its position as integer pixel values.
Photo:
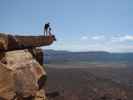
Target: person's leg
(46, 32)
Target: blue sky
(79, 25)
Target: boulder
(21, 75)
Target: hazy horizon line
(89, 51)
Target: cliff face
(20, 74)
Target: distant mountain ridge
(53, 56)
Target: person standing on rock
(50, 33)
(46, 29)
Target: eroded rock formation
(20, 76)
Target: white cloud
(84, 38)
(127, 37)
(98, 37)
(123, 38)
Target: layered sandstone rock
(21, 76)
